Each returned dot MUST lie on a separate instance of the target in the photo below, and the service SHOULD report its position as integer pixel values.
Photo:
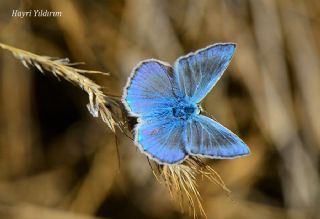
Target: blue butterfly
(165, 100)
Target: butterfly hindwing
(162, 140)
(196, 73)
(208, 138)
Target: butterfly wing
(162, 140)
(198, 72)
(208, 138)
(150, 90)
(154, 88)
(150, 95)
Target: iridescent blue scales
(165, 100)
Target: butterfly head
(201, 109)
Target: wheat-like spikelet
(63, 68)
(181, 180)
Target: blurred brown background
(57, 162)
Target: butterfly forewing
(149, 92)
(196, 73)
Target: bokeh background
(58, 162)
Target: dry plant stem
(64, 69)
(181, 181)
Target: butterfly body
(184, 110)
(165, 99)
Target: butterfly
(166, 98)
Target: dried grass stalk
(181, 180)
(63, 68)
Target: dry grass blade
(63, 68)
